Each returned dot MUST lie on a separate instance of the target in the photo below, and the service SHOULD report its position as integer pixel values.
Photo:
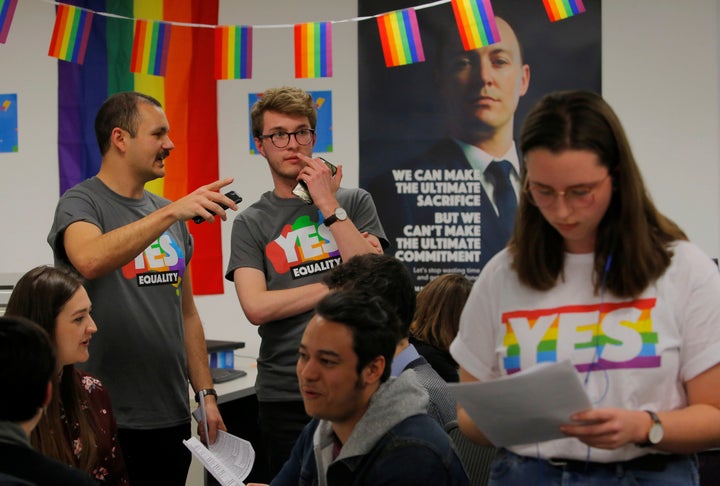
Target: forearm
(350, 241)
(266, 306)
(95, 254)
(469, 429)
(688, 430)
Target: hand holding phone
(301, 189)
(231, 194)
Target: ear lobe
(117, 138)
(259, 146)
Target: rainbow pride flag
(313, 50)
(476, 23)
(562, 9)
(70, 34)
(188, 94)
(233, 52)
(7, 11)
(150, 47)
(400, 38)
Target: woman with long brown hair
(78, 427)
(596, 275)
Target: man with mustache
(134, 249)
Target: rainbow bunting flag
(313, 50)
(400, 38)
(476, 23)
(150, 47)
(233, 52)
(188, 94)
(562, 9)
(7, 10)
(70, 34)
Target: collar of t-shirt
(405, 357)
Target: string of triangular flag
(398, 30)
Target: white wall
(660, 72)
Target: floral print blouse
(110, 469)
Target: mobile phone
(231, 194)
(301, 190)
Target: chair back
(475, 457)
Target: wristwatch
(338, 215)
(205, 392)
(656, 432)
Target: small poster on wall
(8, 123)
(323, 130)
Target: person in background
(134, 250)
(368, 428)
(78, 427)
(388, 278)
(27, 368)
(436, 321)
(596, 275)
(282, 245)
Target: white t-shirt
(648, 346)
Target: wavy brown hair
(40, 295)
(439, 305)
(632, 234)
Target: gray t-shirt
(138, 351)
(285, 239)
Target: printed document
(525, 407)
(229, 459)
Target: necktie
(503, 193)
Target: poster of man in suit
(438, 138)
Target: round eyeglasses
(304, 136)
(577, 197)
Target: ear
(259, 146)
(48, 394)
(118, 138)
(524, 79)
(374, 370)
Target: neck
(495, 142)
(121, 181)
(402, 345)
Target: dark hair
(285, 100)
(381, 275)
(40, 295)
(439, 305)
(374, 327)
(581, 120)
(119, 111)
(27, 365)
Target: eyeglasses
(304, 136)
(576, 197)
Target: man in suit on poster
(480, 165)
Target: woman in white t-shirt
(595, 274)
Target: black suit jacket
(28, 464)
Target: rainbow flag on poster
(7, 11)
(476, 22)
(562, 9)
(400, 38)
(233, 52)
(313, 50)
(70, 34)
(150, 47)
(188, 94)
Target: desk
(239, 387)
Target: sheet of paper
(525, 407)
(229, 459)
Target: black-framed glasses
(304, 136)
(581, 196)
